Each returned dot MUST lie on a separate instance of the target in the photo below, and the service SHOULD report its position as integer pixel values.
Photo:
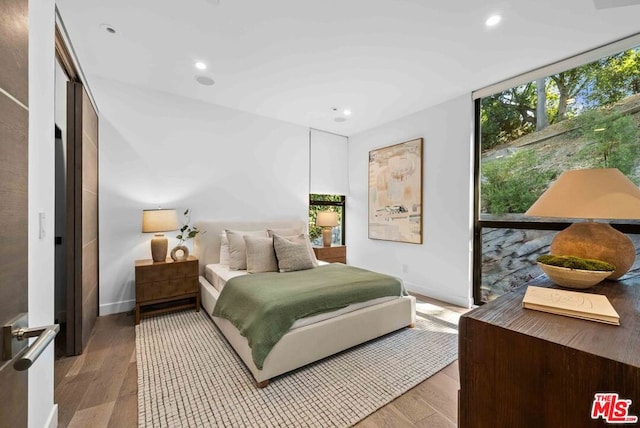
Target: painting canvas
(395, 192)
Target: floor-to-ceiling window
(583, 112)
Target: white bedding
(218, 275)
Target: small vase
(178, 257)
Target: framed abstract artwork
(395, 192)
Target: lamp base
(159, 246)
(600, 241)
(326, 236)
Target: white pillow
(224, 249)
(261, 257)
(292, 256)
(237, 249)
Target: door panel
(89, 216)
(14, 40)
(14, 120)
(13, 209)
(82, 215)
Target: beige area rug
(188, 376)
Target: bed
(308, 340)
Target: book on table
(593, 307)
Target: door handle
(45, 336)
(15, 331)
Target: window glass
(585, 117)
(319, 203)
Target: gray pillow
(237, 249)
(290, 231)
(302, 237)
(261, 257)
(292, 256)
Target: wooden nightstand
(168, 286)
(337, 254)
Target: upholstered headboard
(207, 245)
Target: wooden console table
(525, 368)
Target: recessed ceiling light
(201, 65)
(347, 112)
(493, 20)
(108, 28)
(204, 80)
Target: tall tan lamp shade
(603, 193)
(155, 221)
(327, 220)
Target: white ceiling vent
(204, 80)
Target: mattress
(218, 275)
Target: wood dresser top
(619, 343)
(150, 262)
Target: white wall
(160, 149)
(42, 411)
(328, 163)
(441, 266)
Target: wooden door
(14, 124)
(82, 217)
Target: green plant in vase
(187, 232)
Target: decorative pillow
(290, 231)
(291, 255)
(224, 249)
(237, 249)
(303, 237)
(261, 257)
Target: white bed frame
(302, 345)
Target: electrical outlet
(405, 268)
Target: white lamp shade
(160, 220)
(602, 193)
(327, 219)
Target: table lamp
(327, 220)
(601, 193)
(159, 220)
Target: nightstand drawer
(164, 271)
(165, 289)
(337, 254)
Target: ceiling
(296, 60)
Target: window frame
(341, 203)
(478, 223)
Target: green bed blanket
(264, 306)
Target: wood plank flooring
(99, 388)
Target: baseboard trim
(52, 421)
(117, 307)
(462, 301)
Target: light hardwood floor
(99, 388)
